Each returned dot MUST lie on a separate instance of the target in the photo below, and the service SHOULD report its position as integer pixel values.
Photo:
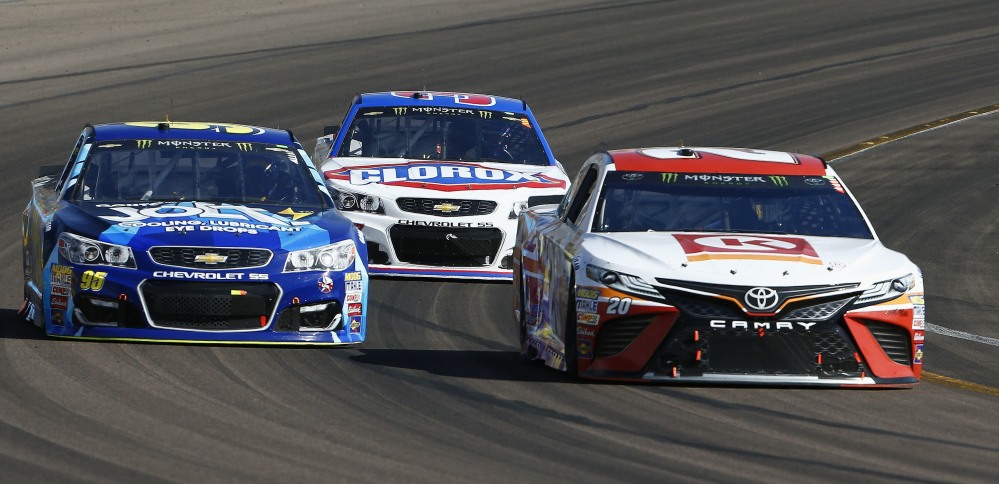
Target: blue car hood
(147, 224)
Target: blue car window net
(219, 172)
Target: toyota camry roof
(716, 160)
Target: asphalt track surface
(438, 392)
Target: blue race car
(191, 232)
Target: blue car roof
(177, 130)
(438, 98)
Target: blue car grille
(210, 257)
(212, 306)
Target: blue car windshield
(439, 133)
(798, 205)
(188, 170)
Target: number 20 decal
(92, 281)
(616, 305)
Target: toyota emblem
(761, 298)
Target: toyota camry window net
(799, 205)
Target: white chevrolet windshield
(435, 133)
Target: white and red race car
(717, 265)
(436, 180)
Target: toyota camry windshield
(799, 205)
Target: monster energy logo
(780, 181)
(670, 177)
(485, 114)
(143, 143)
(399, 111)
(244, 146)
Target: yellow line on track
(905, 133)
(964, 385)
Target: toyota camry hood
(745, 259)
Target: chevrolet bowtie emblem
(210, 258)
(447, 207)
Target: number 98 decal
(616, 305)
(92, 281)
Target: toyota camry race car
(436, 180)
(191, 232)
(715, 265)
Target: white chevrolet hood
(381, 175)
(745, 259)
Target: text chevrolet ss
(436, 180)
(191, 232)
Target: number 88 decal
(616, 305)
(92, 281)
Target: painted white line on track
(906, 133)
(961, 334)
(932, 328)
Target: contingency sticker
(586, 300)
(59, 302)
(591, 319)
(918, 311)
(62, 275)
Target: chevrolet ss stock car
(191, 232)
(436, 180)
(715, 265)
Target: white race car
(715, 265)
(436, 180)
